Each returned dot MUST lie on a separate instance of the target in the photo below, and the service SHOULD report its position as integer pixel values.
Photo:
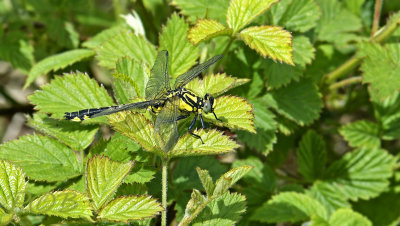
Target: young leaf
(206, 180)
(348, 217)
(41, 158)
(5, 218)
(222, 186)
(71, 92)
(289, 206)
(215, 9)
(299, 101)
(103, 176)
(182, 53)
(56, 62)
(74, 135)
(215, 84)
(207, 29)
(328, 196)
(12, 186)
(236, 174)
(269, 41)
(125, 43)
(214, 143)
(235, 113)
(224, 210)
(62, 204)
(311, 156)
(381, 66)
(361, 174)
(361, 133)
(195, 201)
(242, 12)
(130, 208)
(296, 15)
(101, 37)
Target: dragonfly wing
(188, 76)
(166, 125)
(124, 107)
(158, 83)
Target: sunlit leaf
(103, 176)
(361, 133)
(62, 204)
(328, 196)
(199, 9)
(348, 217)
(56, 62)
(270, 41)
(130, 208)
(41, 158)
(5, 217)
(12, 186)
(235, 174)
(206, 181)
(101, 37)
(140, 174)
(207, 29)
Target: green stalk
(377, 16)
(225, 50)
(345, 82)
(164, 190)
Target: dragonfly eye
(208, 103)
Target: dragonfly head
(208, 103)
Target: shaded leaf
(215, 9)
(361, 133)
(303, 51)
(206, 181)
(140, 174)
(15, 48)
(41, 158)
(56, 62)
(12, 186)
(207, 29)
(328, 196)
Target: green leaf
(15, 48)
(12, 186)
(355, 6)
(101, 37)
(206, 181)
(62, 204)
(140, 174)
(222, 186)
(5, 218)
(235, 113)
(214, 84)
(348, 217)
(296, 15)
(41, 158)
(130, 208)
(303, 51)
(224, 210)
(381, 66)
(130, 80)
(361, 133)
(311, 156)
(103, 176)
(195, 201)
(207, 29)
(388, 114)
(336, 23)
(63, 32)
(270, 41)
(71, 92)
(289, 207)
(74, 135)
(361, 174)
(215, 9)
(242, 12)
(299, 101)
(235, 174)
(182, 53)
(328, 196)
(125, 43)
(56, 62)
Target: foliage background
(327, 120)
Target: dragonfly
(169, 105)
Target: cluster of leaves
(299, 55)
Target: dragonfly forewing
(158, 84)
(166, 124)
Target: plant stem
(225, 50)
(377, 15)
(164, 190)
(187, 221)
(345, 82)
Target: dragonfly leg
(180, 117)
(191, 126)
(202, 122)
(216, 117)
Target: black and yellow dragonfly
(170, 105)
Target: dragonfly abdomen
(81, 115)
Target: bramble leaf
(12, 186)
(215, 84)
(299, 101)
(71, 92)
(206, 181)
(140, 174)
(62, 204)
(361, 174)
(328, 196)
(101, 37)
(207, 29)
(270, 41)
(388, 114)
(289, 206)
(296, 15)
(74, 135)
(182, 53)
(348, 217)
(125, 43)
(130, 208)
(235, 113)
(215, 9)
(15, 48)
(63, 32)
(5, 218)
(361, 133)
(224, 210)
(242, 12)
(303, 51)
(235, 174)
(56, 62)
(103, 176)
(311, 156)
(41, 158)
